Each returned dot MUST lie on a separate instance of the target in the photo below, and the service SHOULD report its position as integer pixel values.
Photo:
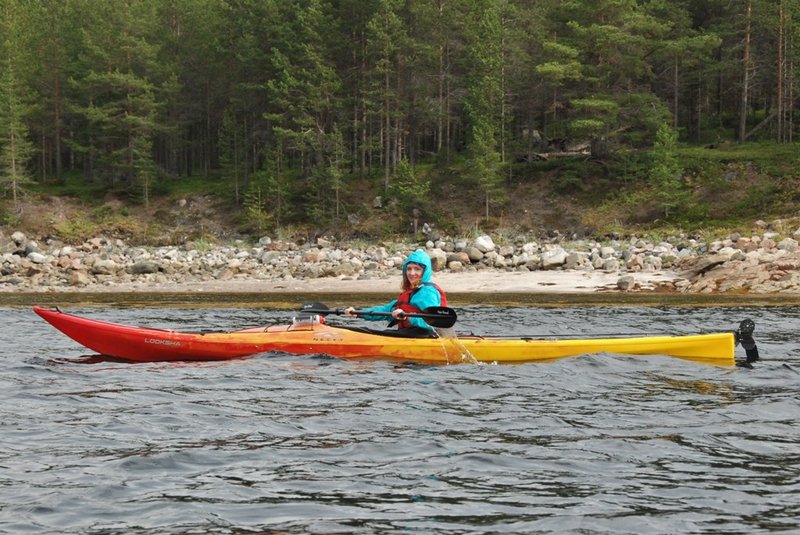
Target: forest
(298, 111)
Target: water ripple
(594, 444)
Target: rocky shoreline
(766, 262)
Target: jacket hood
(420, 257)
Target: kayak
(312, 335)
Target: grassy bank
(722, 189)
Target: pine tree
(483, 101)
(409, 189)
(613, 91)
(303, 99)
(15, 147)
(233, 153)
(120, 94)
(387, 36)
(666, 171)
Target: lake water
(282, 444)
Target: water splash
(449, 337)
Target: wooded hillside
(307, 110)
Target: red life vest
(404, 303)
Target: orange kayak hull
(145, 344)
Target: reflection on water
(593, 444)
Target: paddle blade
(440, 316)
(316, 308)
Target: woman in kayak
(419, 293)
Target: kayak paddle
(434, 316)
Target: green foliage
(76, 229)
(255, 213)
(599, 114)
(278, 187)
(485, 165)
(267, 204)
(305, 84)
(99, 219)
(554, 48)
(630, 166)
(16, 149)
(643, 114)
(666, 173)
(145, 173)
(7, 217)
(484, 100)
(118, 100)
(559, 72)
(409, 189)
(233, 157)
(569, 181)
(759, 200)
(773, 158)
(303, 99)
(607, 107)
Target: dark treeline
(272, 94)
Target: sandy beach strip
(483, 281)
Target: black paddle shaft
(435, 316)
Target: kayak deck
(148, 344)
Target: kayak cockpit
(391, 333)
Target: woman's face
(414, 274)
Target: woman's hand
(398, 314)
(349, 311)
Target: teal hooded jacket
(426, 296)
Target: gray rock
(626, 283)
(554, 258)
(79, 278)
(455, 266)
(37, 258)
(345, 269)
(607, 252)
(461, 257)
(438, 259)
(143, 267)
(534, 263)
(104, 267)
(611, 265)
(484, 244)
(788, 244)
(506, 251)
(270, 257)
(474, 254)
(651, 263)
(576, 259)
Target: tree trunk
(745, 73)
(387, 127)
(440, 80)
(363, 166)
(790, 86)
(675, 89)
(55, 70)
(600, 149)
(448, 133)
(12, 141)
(503, 111)
(779, 85)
